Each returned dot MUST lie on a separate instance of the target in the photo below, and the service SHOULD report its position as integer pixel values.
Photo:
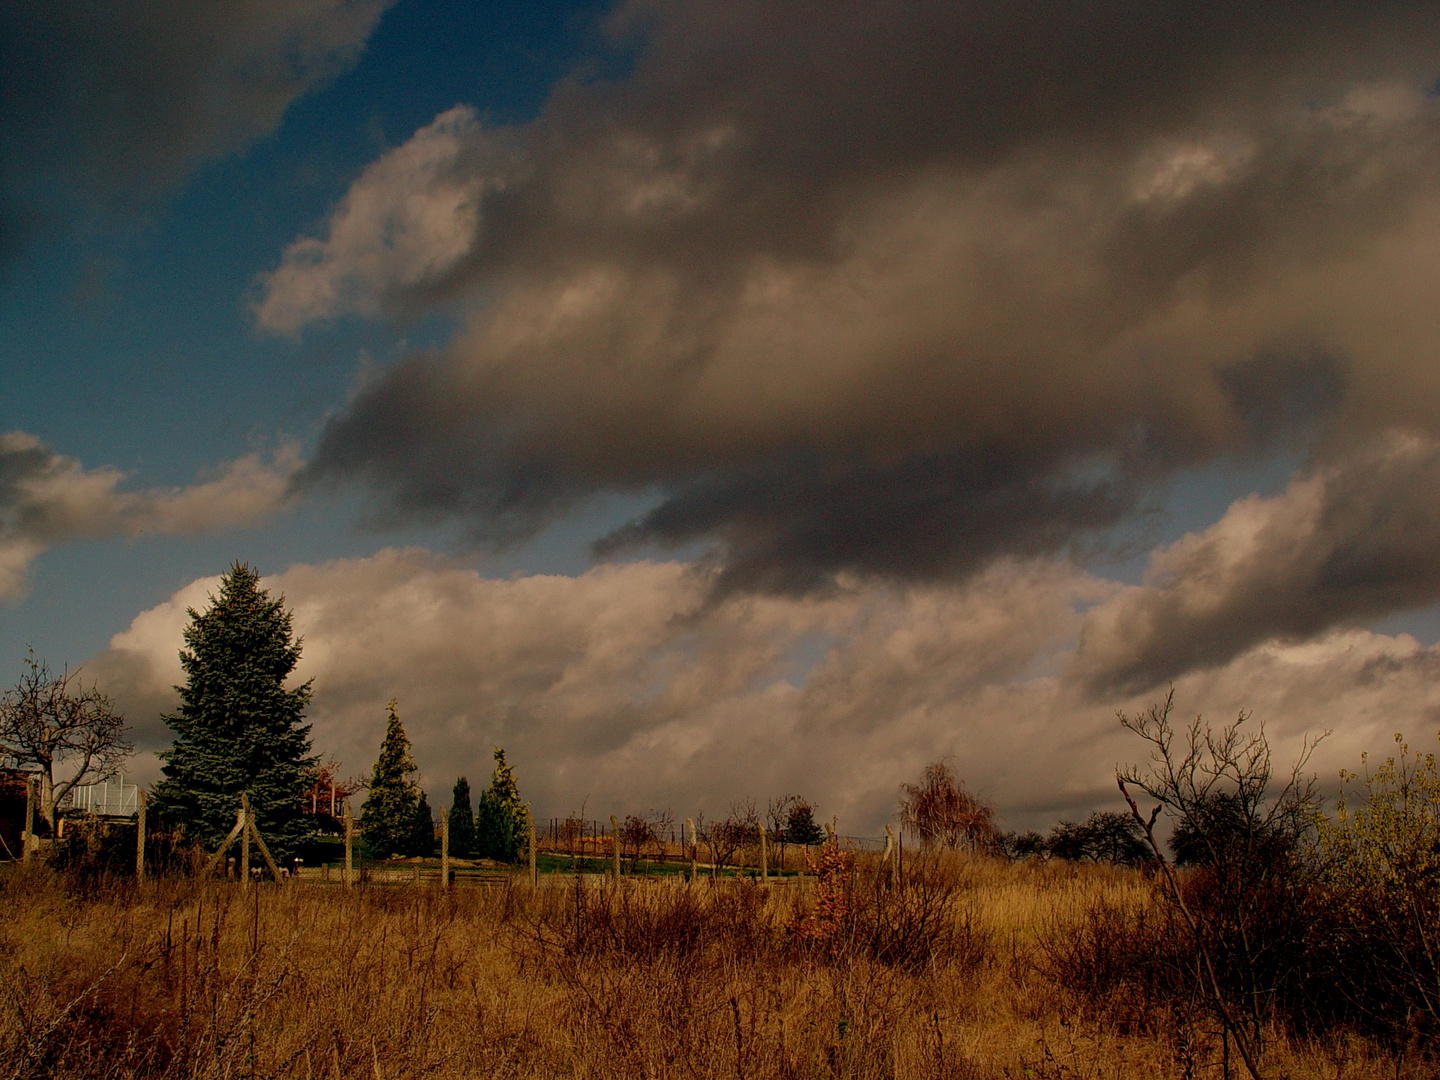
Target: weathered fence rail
(572, 846)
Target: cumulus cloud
(901, 290)
(48, 499)
(623, 687)
(405, 223)
(1350, 541)
(108, 104)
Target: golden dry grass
(966, 971)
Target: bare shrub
(724, 838)
(1125, 964)
(1250, 907)
(641, 834)
(571, 830)
(953, 973)
(923, 921)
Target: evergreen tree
(238, 728)
(800, 825)
(422, 830)
(387, 817)
(503, 822)
(462, 820)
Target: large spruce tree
(388, 816)
(238, 727)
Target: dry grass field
(970, 967)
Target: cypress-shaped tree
(422, 830)
(502, 822)
(387, 818)
(238, 728)
(462, 820)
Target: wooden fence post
(245, 840)
(888, 859)
(349, 836)
(265, 851)
(140, 835)
(222, 851)
(615, 846)
(27, 834)
(764, 859)
(694, 847)
(534, 872)
(445, 851)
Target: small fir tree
(800, 825)
(422, 830)
(238, 728)
(462, 820)
(502, 823)
(387, 817)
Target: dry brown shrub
(952, 971)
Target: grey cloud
(796, 524)
(621, 686)
(1353, 540)
(406, 221)
(1279, 395)
(107, 105)
(869, 288)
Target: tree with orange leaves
(939, 810)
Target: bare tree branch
(50, 719)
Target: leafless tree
(1250, 922)
(48, 720)
(728, 835)
(635, 835)
(777, 816)
(639, 832)
(940, 811)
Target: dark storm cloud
(107, 104)
(874, 287)
(1352, 542)
(794, 525)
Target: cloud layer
(900, 290)
(407, 221)
(1350, 542)
(107, 105)
(624, 688)
(47, 499)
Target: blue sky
(129, 341)
(1132, 316)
